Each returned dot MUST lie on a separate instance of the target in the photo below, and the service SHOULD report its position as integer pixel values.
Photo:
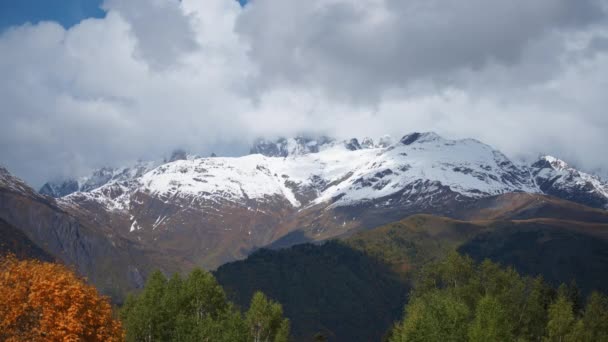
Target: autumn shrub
(42, 301)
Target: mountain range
(118, 224)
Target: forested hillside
(332, 288)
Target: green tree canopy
(458, 300)
(265, 320)
(196, 309)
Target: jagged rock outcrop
(59, 188)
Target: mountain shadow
(558, 254)
(330, 289)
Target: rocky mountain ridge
(555, 177)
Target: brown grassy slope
(519, 206)
(559, 250)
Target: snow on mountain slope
(112, 196)
(248, 177)
(12, 183)
(97, 179)
(109, 187)
(467, 167)
(251, 177)
(341, 173)
(104, 176)
(555, 177)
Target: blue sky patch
(66, 12)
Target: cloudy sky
(119, 80)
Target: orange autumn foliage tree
(42, 301)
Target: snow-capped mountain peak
(420, 138)
(97, 179)
(555, 177)
(555, 163)
(367, 142)
(60, 188)
(217, 179)
(181, 154)
(425, 162)
(283, 147)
